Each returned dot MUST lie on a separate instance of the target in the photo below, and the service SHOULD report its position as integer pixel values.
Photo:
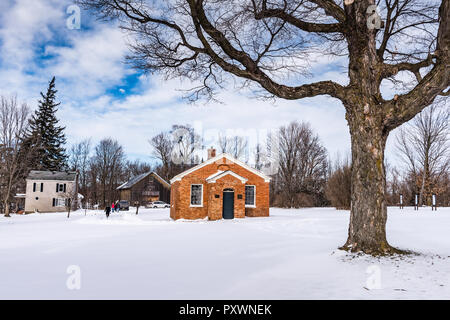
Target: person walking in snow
(117, 206)
(136, 204)
(112, 207)
(107, 211)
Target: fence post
(401, 201)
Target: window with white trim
(196, 195)
(250, 195)
(59, 202)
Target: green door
(228, 204)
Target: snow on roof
(52, 175)
(213, 178)
(139, 177)
(216, 158)
(214, 174)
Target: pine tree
(45, 138)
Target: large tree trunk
(6, 206)
(368, 213)
(6, 199)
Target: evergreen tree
(45, 139)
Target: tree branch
(390, 70)
(405, 107)
(289, 18)
(252, 71)
(331, 9)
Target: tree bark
(368, 213)
(6, 201)
(6, 206)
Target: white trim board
(254, 197)
(216, 158)
(220, 174)
(190, 196)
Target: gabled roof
(216, 158)
(138, 178)
(52, 175)
(220, 174)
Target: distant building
(51, 191)
(145, 188)
(221, 187)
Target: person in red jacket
(112, 207)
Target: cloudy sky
(102, 97)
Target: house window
(59, 202)
(60, 187)
(196, 195)
(249, 196)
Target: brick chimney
(211, 153)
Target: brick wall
(212, 206)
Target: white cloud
(91, 62)
(25, 24)
(137, 118)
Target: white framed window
(250, 199)
(196, 195)
(60, 202)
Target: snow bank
(290, 255)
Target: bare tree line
(237, 146)
(102, 169)
(423, 144)
(13, 159)
(304, 176)
(423, 150)
(302, 167)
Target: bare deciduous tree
(424, 146)
(79, 155)
(258, 156)
(302, 164)
(271, 44)
(162, 146)
(234, 145)
(135, 168)
(108, 162)
(13, 125)
(186, 142)
(338, 189)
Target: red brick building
(221, 187)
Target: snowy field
(290, 255)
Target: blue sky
(102, 97)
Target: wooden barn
(145, 188)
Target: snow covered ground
(290, 255)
